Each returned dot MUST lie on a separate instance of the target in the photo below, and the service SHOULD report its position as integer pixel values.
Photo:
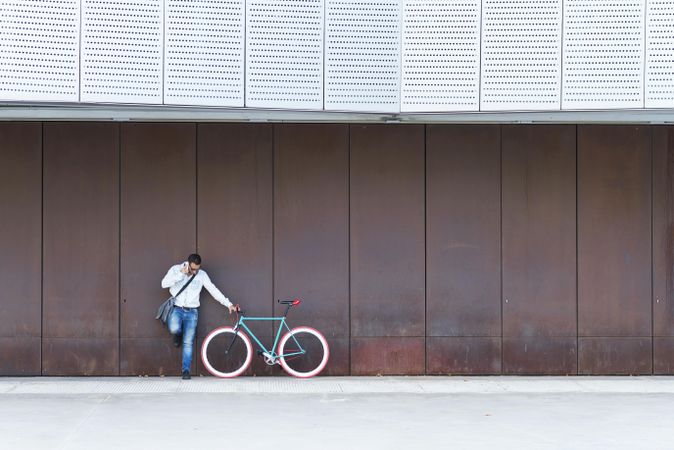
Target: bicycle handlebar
(238, 310)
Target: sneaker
(177, 340)
(186, 375)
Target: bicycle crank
(268, 359)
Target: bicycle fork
(236, 333)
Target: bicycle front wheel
(303, 352)
(226, 353)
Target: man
(182, 322)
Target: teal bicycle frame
(270, 353)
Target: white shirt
(175, 280)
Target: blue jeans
(185, 323)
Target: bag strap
(183, 288)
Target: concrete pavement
(338, 413)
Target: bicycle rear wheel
(226, 353)
(303, 352)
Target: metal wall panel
(340, 357)
(463, 234)
(603, 54)
(614, 231)
(615, 356)
(387, 355)
(663, 356)
(659, 88)
(81, 246)
(204, 49)
(21, 238)
(387, 230)
(284, 54)
(158, 229)
(235, 222)
(440, 62)
(520, 55)
(369, 55)
(150, 356)
(20, 356)
(89, 357)
(463, 355)
(362, 55)
(39, 50)
(539, 230)
(382, 203)
(311, 225)
(122, 51)
(663, 231)
(539, 249)
(540, 355)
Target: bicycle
(227, 351)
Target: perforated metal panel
(122, 51)
(39, 50)
(521, 55)
(440, 55)
(362, 55)
(660, 54)
(204, 45)
(342, 55)
(603, 54)
(284, 54)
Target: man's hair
(194, 259)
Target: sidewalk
(338, 413)
(340, 385)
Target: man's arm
(215, 292)
(172, 277)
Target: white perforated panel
(122, 51)
(603, 54)
(440, 55)
(660, 54)
(204, 44)
(521, 55)
(362, 55)
(284, 54)
(39, 50)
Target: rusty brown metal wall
(158, 229)
(614, 249)
(663, 250)
(463, 249)
(21, 244)
(480, 249)
(234, 226)
(80, 300)
(387, 249)
(311, 230)
(539, 249)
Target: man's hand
(232, 308)
(185, 269)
